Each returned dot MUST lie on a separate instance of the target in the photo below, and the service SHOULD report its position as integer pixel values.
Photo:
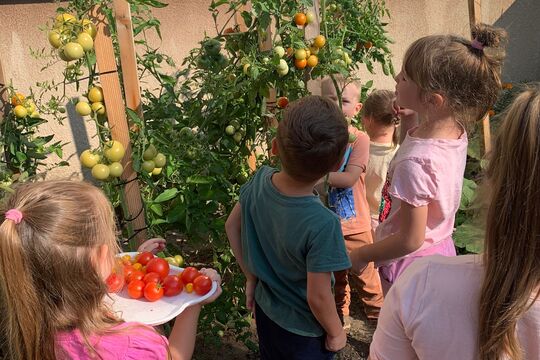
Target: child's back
(290, 243)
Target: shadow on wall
(521, 20)
(79, 135)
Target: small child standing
(288, 243)
(380, 122)
(347, 197)
(57, 247)
(448, 81)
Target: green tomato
(212, 47)
(114, 151)
(55, 39)
(100, 172)
(85, 40)
(160, 160)
(148, 166)
(238, 137)
(116, 169)
(179, 260)
(282, 66)
(73, 51)
(279, 51)
(230, 130)
(150, 152)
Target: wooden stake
(475, 16)
(116, 117)
(4, 98)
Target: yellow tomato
(312, 61)
(300, 54)
(73, 51)
(137, 266)
(116, 169)
(55, 39)
(85, 40)
(98, 107)
(114, 151)
(319, 41)
(100, 172)
(95, 94)
(62, 19)
(20, 111)
(17, 99)
(89, 28)
(89, 159)
(189, 288)
(157, 171)
(83, 108)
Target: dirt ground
(357, 348)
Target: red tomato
(158, 265)
(153, 291)
(202, 284)
(135, 275)
(151, 277)
(128, 270)
(189, 274)
(135, 289)
(172, 285)
(115, 283)
(144, 257)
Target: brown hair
(311, 138)
(379, 107)
(467, 77)
(512, 242)
(48, 279)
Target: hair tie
(477, 44)
(14, 215)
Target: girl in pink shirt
(57, 247)
(480, 307)
(448, 81)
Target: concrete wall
(185, 21)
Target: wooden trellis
(114, 103)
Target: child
(380, 122)
(57, 247)
(347, 197)
(288, 243)
(448, 81)
(480, 307)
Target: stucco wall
(185, 21)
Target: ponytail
(379, 108)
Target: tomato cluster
(154, 161)
(72, 37)
(113, 152)
(149, 277)
(23, 106)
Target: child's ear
(275, 150)
(358, 107)
(437, 99)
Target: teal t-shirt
(284, 238)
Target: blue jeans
(276, 343)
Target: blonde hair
(48, 279)
(512, 242)
(469, 78)
(379, 107)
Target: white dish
(157, 312)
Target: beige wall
(185, 21)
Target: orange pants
(370, 284)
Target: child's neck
(383, 135)
(291, 187)
(440, 125)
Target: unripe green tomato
(230, 130)
(160, 160)
(150, 152)
(148, 166)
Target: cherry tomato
(144, 257)
(135, 289)
(158, 265)
(189, 288)
(135, 275)
(153, 291)
(202, 284)
(172, 285)
(151, 277)
(128, 271)
(189, 274)
(115, 283)
(137, 266)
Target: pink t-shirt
(134, 341)
(431, 312)
(424, 172)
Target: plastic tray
(157, 312)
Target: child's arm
(345, 179)
(322, 304)
(409, 238)
(182, 338)
(233, 228)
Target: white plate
(157, 312)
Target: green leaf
(470, 237)
(467, 194)
(247, 18)
(157, 208)
(199, 179)
(159, 221)
(166, 195)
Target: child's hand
(401, 111)
(336, 343)
(214, 276)
(154, 245)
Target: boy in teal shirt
(288, 243)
